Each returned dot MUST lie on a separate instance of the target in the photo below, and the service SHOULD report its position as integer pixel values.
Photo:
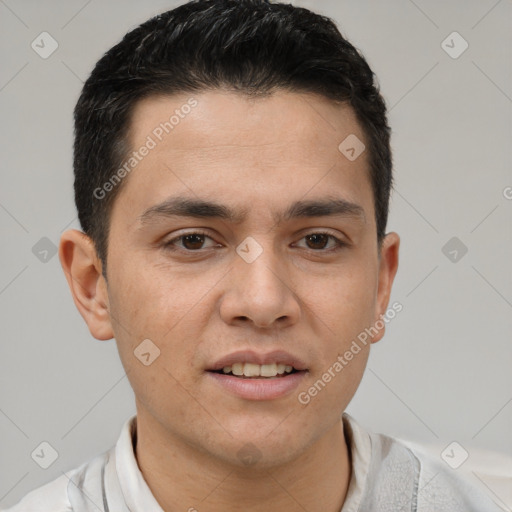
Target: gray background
(443, 370)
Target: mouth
(253, 376)
(257, 371)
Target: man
(232, 179)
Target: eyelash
(169, 246)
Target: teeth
(256, 370)
(237, 369)
(251, 370)
(268, 370)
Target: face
(244, 235)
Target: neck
(181, 477)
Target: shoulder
(65, 492)
(405, 476)
(464, 481)
(49, 497)
(440, 488)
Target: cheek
(159, 306)
(168, 396)
(328, 392)
(344, 304)
(340, 316)
(148, 301)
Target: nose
(260, 293)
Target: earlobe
(82, 269)
(388, 267)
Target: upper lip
(249, 356)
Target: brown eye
(317, 240)
(189, 242)
(193, 241)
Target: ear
(83, 270)
(387, 270)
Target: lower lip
(259, 389)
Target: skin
(298, 295)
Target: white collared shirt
(387, 476)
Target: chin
(263, 451)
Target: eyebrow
(203, 209)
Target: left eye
(193, 242)
(320, 240)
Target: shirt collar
(360, 451)
(137, 494)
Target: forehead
(218, 143)
(219, 118)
